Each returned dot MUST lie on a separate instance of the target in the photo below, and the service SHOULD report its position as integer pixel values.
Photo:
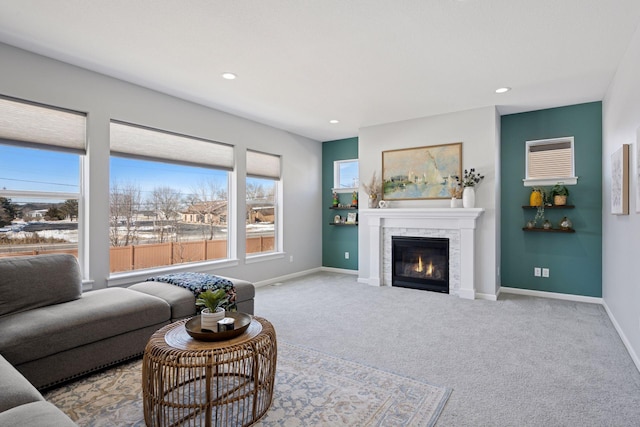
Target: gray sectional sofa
(52, 332)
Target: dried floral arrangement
(374, 186)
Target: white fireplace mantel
(461, 221)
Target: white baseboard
(487, 297)
(552, 295)
(286, 277)
(339, 270)
(623, 337)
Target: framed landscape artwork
(420, 173)
(620, 181)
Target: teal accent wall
(336, 240)
(574, 260)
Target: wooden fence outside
(135, 257)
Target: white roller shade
(38, 124)
(263, 165)
(137, 141)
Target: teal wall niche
(336, 240)
(574, 260)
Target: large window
(41, 152)
(169, 198)
(263, 202)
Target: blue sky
(45, 170)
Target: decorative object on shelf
(335, 201)
(383, 204)
(351, 218)
(536, 198)
(373, 189)
(620, 181)
(213, 303)
(456, 202)
(419, 173)
(337, 219)
(530, 224)
(547, 225)
(468, 182)
(354, 199)
(469, 197)
(565, 223)
(560, 194)
(455, 190)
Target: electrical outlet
(291, 258)
(346, 255)
(545, 272)
(537, 272)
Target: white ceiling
(301, 63)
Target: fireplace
(420, 263)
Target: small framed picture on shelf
(351, 218)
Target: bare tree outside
(209, 202)
(124, 203)
(166, 204)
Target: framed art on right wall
(620, 181)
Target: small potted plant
(213, 303)
(560, 194)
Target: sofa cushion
(97, 315)
(36, 414)
(15, 390)
(38, 281)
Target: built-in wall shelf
(550, 207)
(550, 230)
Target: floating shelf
(550, 230)
(344, 208)
(549, 207)
(343, 223)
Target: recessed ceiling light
(334, 121)
(503, 89)
(228, 76)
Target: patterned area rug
(311, 389)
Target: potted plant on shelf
(213, 303)
(560, 194)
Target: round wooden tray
(242, 322)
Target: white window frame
(262, 165)
(336, 176)
(572, 179)
(30, 124)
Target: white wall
(36, 78)
(620, 234)
(478, 130)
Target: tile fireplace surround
(456, 224)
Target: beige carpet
(312, 389)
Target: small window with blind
(549, 162)
(263, 203)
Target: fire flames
(420, 267)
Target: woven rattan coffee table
(200, 383)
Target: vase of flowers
(468, 182)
